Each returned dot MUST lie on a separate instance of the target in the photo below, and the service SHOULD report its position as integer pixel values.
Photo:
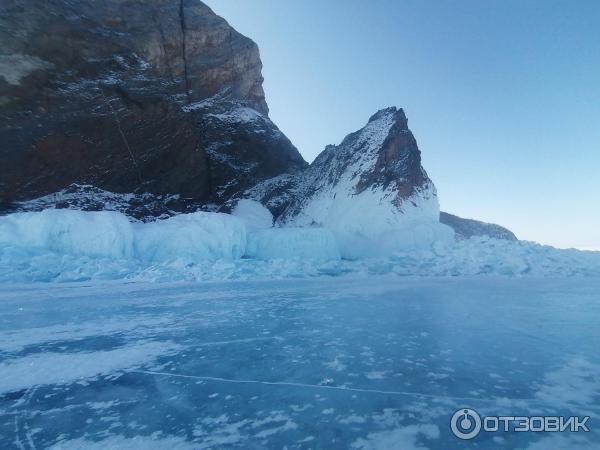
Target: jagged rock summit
(371, 182)
(131, 96)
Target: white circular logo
(465, 423)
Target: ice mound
(100, 233)
(290, 243)
(254, 214)
(109, 234)
(191, 238)
(421, 235)
(66, 245)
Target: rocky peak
(371, 182)
(398, 114)
(382, 152)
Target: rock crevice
(186, 79)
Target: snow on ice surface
(49, 367)
(268, 365)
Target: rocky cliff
(155, 96)
(466, 228)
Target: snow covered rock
(371, 183)
(372, 186)
(191, 238)
(254, 214)
(291, 243)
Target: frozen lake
(371, 363)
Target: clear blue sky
(503, 96)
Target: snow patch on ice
(402, 438)
(16, 340)
(574, 383)
(63, 368)
(122, 442)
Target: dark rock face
(466, 228)
(153, 96)
(142, 206)
(398, 160)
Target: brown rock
(126, 95)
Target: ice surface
(289, 243)
(254, 214)
(373, 363)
